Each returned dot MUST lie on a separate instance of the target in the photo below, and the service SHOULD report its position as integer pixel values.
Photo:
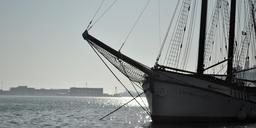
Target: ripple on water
(71, 112)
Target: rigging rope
(118, 79)
(134, 25)
(133, 85)
(210, 37)
(217, 37)
(242, 51)
(100, 17)
(190, 34)
(148, 111)
(134, 98)
(176, 41)
(95, 14)
(159, 22)
(167, 32)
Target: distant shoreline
(73, 91)
(60, 96)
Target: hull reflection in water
(206, 125)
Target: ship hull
(176, 97)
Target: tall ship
(223, 86)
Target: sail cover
(132, 69)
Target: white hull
(177, 97)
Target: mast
(200, 63)
(231, 40)
(253, 16)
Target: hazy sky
(41, 44)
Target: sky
(41, 42)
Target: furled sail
(132, 69)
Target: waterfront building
(22, 90)
(86, 91)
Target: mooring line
(134, 98)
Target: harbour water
(68, 112)
(79, 112)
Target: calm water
(77, 112)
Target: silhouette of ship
(176, 94)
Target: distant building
(52, 92)
(2, 92)
(22, 90)
(86, 91)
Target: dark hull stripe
(194, 119)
